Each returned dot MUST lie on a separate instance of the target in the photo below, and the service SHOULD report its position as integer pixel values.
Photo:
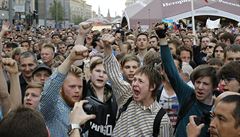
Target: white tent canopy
(156, 10)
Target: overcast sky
(113, 5)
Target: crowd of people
(83, 82)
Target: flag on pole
(206, 1)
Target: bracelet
(72, 127)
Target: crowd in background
(168, 71)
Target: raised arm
(5, 28)
(15, 90)
(84, 29)
(4, 95)
(179, 86)
(53, 85)
(121, 88)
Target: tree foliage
(77, 19)
(57, 11)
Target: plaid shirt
(53, 107)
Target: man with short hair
(129, 64)
(62, 48)
(227, 38)
(191, 101)
(23, 122)
(142, 108)
(41, 73)
(229, 76)
(226, 117)
(55, 38)
(225, 120)
(232, 53)
(63, 88)
(142, 45)
(153, 42)
(25, 44)
(47, 54)
(102, 92)
(27, 63)
(187, 42)
(32, 95)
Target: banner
(212, 24)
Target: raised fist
(107, 39)
(10, 65)
(78, 52)
(85, 28)
(161, 29)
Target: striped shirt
(137, 120)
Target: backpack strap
(124, 107)
(185, 108)
(157, 122)
(159, 92)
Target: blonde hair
(34, 85)
(76, 71)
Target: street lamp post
(10, 11)
(45, 14)
(56, 14)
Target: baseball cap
(42, 67)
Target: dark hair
(205, 71)
(236, 112)
(227, 36)
(11, 45)
(142, 33)
(23, 122)
(27, 41)
(184, 48)
(230, 70)
(55, 34)
(154, 36)
(215, 61)
(153, 76)
(220, 44)
(175, 57)
(232, 48)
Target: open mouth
(199, 94)
(130, 75)
(28, 104)
(136, 92)
(76, 97)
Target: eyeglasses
(209, 47)
(227, 80)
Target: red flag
(206, 1)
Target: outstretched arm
(4, 95)
(84, 29)
(5, 28)
(182, 90)
(15, 90)
(53, 85)
(121, 88)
